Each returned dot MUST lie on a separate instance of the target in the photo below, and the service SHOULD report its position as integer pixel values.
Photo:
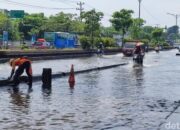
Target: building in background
(61, 39)
(4, 11)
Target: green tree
(32, 22)
(157, 33)
(77, 27)
(173, 29)
(92, 23)
(59, 22)
(121, 21)
(148, 29)
(10, 25)
(108, 31)
(135, 30)
(173, 32)
(14, 30)
(3, 22)
(85, 42)
(147, 32)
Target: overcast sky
(154, 12)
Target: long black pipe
(62, 74)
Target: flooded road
(122, 98)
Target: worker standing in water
(23, 64)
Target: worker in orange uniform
(23, 64)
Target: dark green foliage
(157, 33)
(122, 20)
(32, 24)
(92, 22)
(85, 42)
(108, 42)
(173, 29)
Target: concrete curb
(52, 54)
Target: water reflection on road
(122, 98)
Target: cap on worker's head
(10, 61)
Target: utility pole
(139, 8)
(139, 11)
(176, 17)
(80, 8)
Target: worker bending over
(23, 64)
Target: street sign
(17, 13)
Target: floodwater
(121, 98)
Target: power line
(150, 13)
(67, 2)
(107, 14)
(64, 1)
(35, 6)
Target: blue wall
(65, 40)
(61, 39)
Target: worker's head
(11, 61)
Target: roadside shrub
(85, 42)
(165, 44)
(108, 42)
(24, 46)
(97, 42)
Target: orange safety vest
(20, 61)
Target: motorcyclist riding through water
(138, 53)
(138, 49)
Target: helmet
(10, 61)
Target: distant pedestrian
(101, 48)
